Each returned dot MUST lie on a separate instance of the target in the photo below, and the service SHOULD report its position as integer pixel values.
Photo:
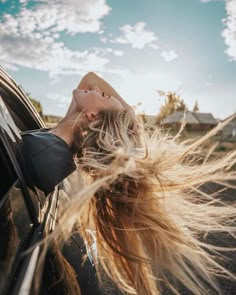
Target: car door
(26, 214)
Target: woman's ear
(92, 116)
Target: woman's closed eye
(103, 94)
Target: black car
(26, 214)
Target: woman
(143, 197)
(50, 151)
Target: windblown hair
(145, 201)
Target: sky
(139, 47)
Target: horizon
(187, 47)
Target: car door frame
(21, 278)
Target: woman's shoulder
(40, 139)
(46, 157)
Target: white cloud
(229, 32)
(118, 52)
(169, 56)
(71, 16)
(104, 52)
(103, 40)
(8, 66)
(114, 51)
(47, 55)
(153, 46)
(137, 36)
(207, 1)
(30, 38)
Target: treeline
(46, 118)
(172, 103)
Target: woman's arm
(91, 80)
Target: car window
(25, 212)
(15, 109)
(13, 122)
(15, 222)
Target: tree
(36, 104)
(196, 107)
(143, 117)
(181, 106)
(172, 103)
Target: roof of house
(205, 118)
(177, 117)
(190, 118)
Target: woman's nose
(95, 88)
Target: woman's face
(95, 100)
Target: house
(206, 120)
(230, 129)
(193, 121)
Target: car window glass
(21, 115)
(7, 173)
(10, 125)
(12, 116)
(15, 222)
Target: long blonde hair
(145, 201)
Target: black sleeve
(46, 158)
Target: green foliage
(221, 148)
(172, 103)
(48, 119)
(36, 104)
(51, 119)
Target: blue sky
(140, 47)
